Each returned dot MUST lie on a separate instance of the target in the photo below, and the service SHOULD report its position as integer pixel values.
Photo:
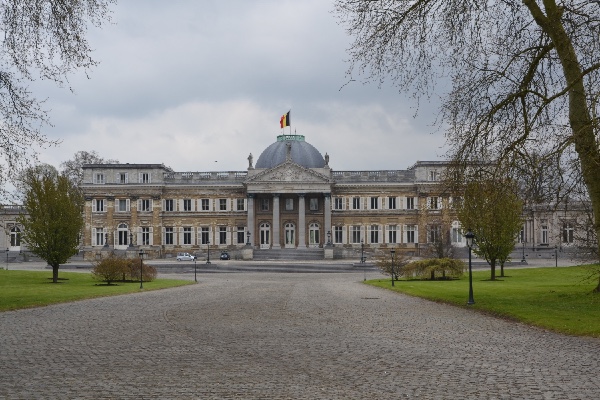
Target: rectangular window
(434, 203)
(338, 203)
(264, 204)
(145, 236)
(374, 203)
(356, 237)
(187, 235)
(144, 177)
(410, 233)
(99, 178)
(374, 233)
(222, 204)
(433, 175)
(98, 205)
(187, 205)
(205, 204)
(204, 236)
(169, 235)
(391, 203)
(338, 236)
(122, 177)
(240, 206)
(222, 235)
(433, 233)
(145, 205)
(100, 236)
(356, 203)
(289, 204)
(410, 203)
(169, 205)
(456, 235)
(568, 232)
(122, 205)
(544, 232)
(314, 204)
(392, 233)
(241, 234)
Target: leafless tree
(518, 77)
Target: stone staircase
(289, 254)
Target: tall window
(99, 178)
(187, 204)
(222, 204)
(410, 203)
(314, 204)
(222, 235)
(145, 205)
(205, 204)
(338, 203)
(15, 237)
(356, 203)
(99, 236)
(456, 235)
(374, 233)
(169, 235)
(144, 177)
(410, 233)
(374, 203)
(434, 203)
(169, 205)
(241, 232)
(187, 235)
(338, 236)
(122, 177)
(433, 234)
(433, 175)
(145, 236)
(240, 206)
(392, 234)
(264, 204)
(391, 203)
(204, 236)
(544, 232)
(568, 232)
(122, 205)
(356, 237)
(289, 204)
(98, 205)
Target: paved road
(284, 336)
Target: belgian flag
(285, 120)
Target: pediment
(289, 172)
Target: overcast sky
(198, 85)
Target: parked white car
(185, 257)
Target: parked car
(225, 256)
(185, 257)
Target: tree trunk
(580, 119)
(502, 269)
(55, 273)
(493, 268)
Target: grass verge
(558, 299)
(25, 289)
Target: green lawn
(23, 289)
(559, 299)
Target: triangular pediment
(288, 172)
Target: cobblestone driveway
(284, 336)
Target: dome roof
(301, 152)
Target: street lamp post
(392, 252)
(523, 242)
(141, 269)
(556, 256)
(195, 279)
(470, 236)
(208, 251)
(7, 258)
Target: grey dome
(301, 152)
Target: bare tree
(42, 40)
(521, 75)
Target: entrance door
(313, 235)
(265, 236)
(290, 236)
(122, 237)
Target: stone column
(276, 237)
(327, 214)
(250, 222)
(301, 222)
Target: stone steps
(289, 254)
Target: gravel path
(284, 336)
